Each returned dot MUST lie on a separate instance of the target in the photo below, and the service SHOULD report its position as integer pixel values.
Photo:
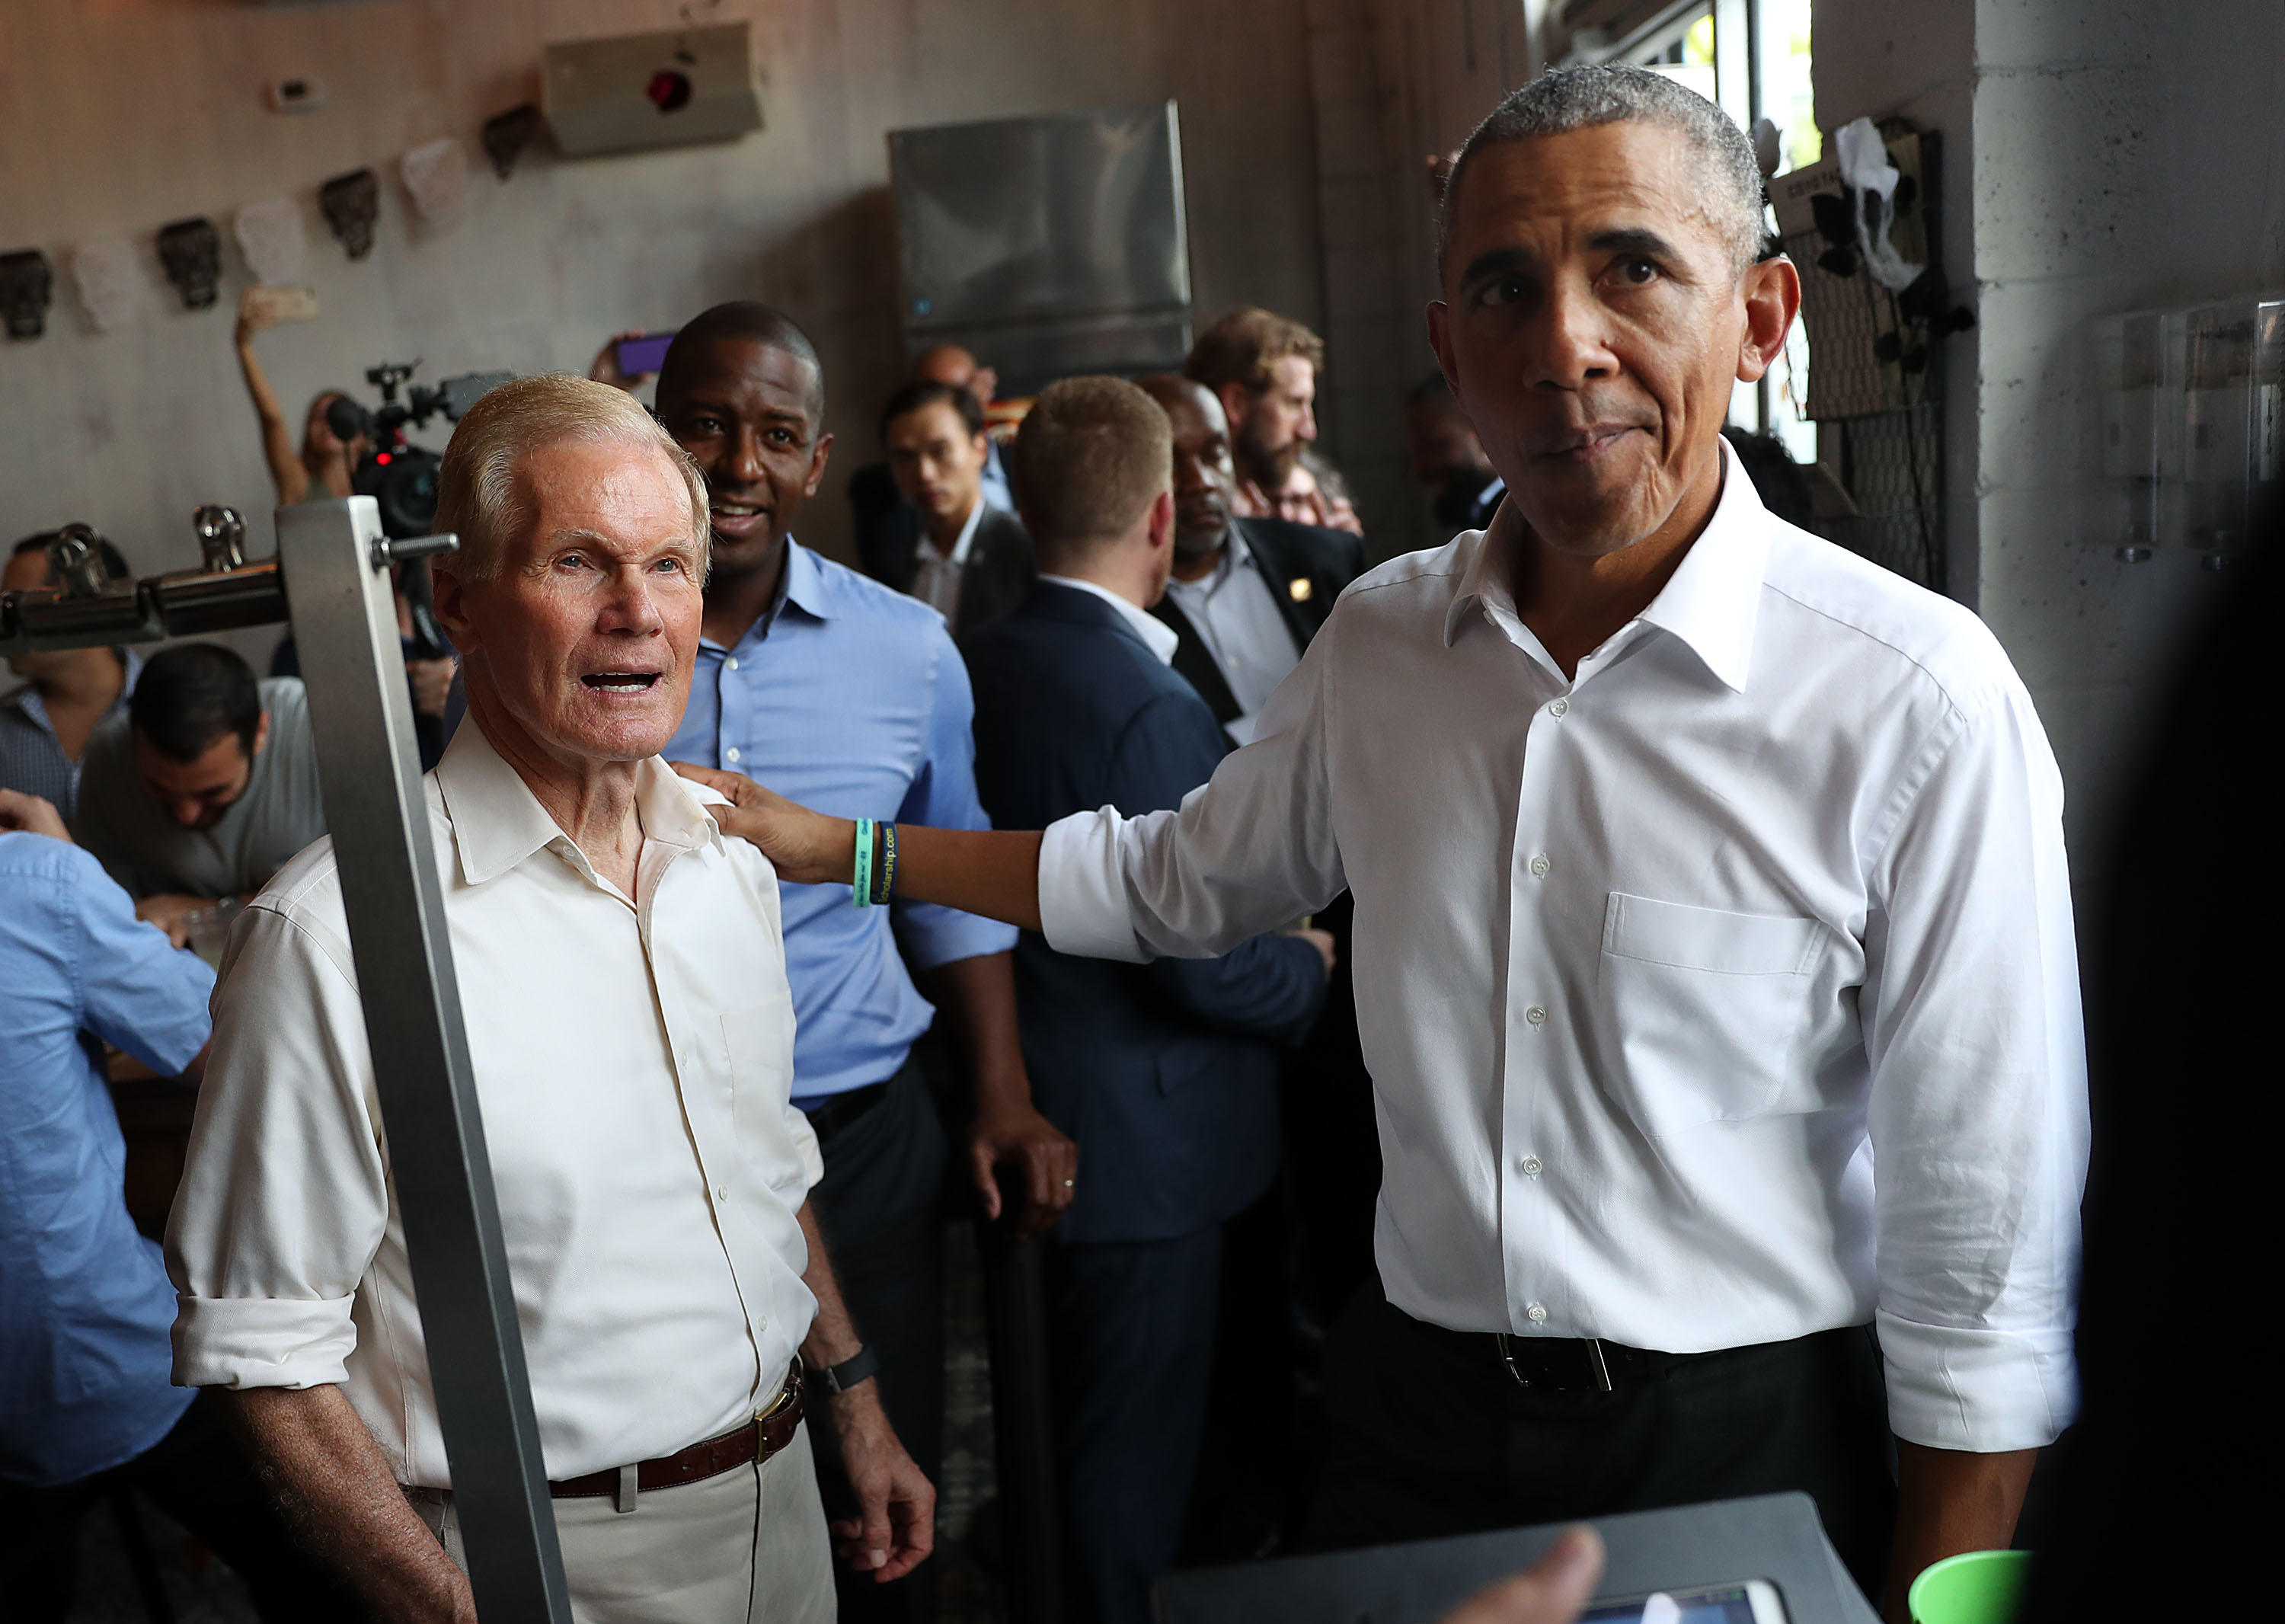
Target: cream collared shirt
(634, 1060)
(1722, 993)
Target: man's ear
(817, 464)
(984, 385)
(1162, 522)
(451, 598)
(1439, 339)
(261, 735)
(1772, 295)
(1236, 399)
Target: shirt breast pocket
(1707, 1009)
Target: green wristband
(862, 884)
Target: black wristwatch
(833, 1380)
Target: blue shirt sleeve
(943, 796)
(138, 990)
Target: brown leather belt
(758, 1440)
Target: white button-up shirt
(1234, 610)
(936, 576)
(1724, 994)
(634, 1061)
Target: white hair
(477, 492)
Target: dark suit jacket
(1001, 568)
(1165, 1074)
(1307, 567)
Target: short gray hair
(1565, 99)
(475, 489)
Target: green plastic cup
(1975, 1586)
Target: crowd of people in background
(1086, 599)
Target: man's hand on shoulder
(806, 848)
(896, 1526)
(32, 815)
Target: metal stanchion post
(1023, 1421)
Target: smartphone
(647, 354)
(283, 304)
(1744, 1601)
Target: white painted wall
(2102, 155)
(116, 118)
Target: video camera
(398, 476)
(401, 477)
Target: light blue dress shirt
(85, 1305)
(850, 699)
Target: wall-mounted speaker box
(636, 91)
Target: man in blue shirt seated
(839, 690)
(1165, 1074)
(85, 1306)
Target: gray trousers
(746, 1546)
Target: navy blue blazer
(1166, 1073)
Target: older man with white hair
(632, 1032)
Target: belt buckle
(777, 1406)
(1596, 1363)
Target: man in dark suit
(969, 560)
(887, 526)
(1165, 1074)
(1245, 595)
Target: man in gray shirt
(203, 789)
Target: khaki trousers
(744, 1547)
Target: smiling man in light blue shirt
(813, 678)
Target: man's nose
(1571, 341)
(745, 463)
(630, 606)
(1307, 427)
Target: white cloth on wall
(271, 235)
(436, 176)
(1654, 962)
(112, 285)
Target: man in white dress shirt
(621, 966)
(1714, 952)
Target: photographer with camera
(401, 478)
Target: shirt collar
(497, 822)
(1157, 635)
(1711, 603)
(967, 542)
(800, 583)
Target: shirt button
(1540, 865)
(722, 1192)
(1535, 1014)
(732, 663)
(1557, 707)
(1534, 1312)
(1532, 1166)
(730, 754)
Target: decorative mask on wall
(351, 202)
(437, 173)
(507, 134)
(192, 252)
(110, 279)
(270, 235)
(27, 285)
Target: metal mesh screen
(1891, 465)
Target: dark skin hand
(977, 998)
(742, 409)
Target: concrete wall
(2101, 156)
(117, 118)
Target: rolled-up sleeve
(284, 1199)
(943, 796)
(1978, 1108)
(1250, 849)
